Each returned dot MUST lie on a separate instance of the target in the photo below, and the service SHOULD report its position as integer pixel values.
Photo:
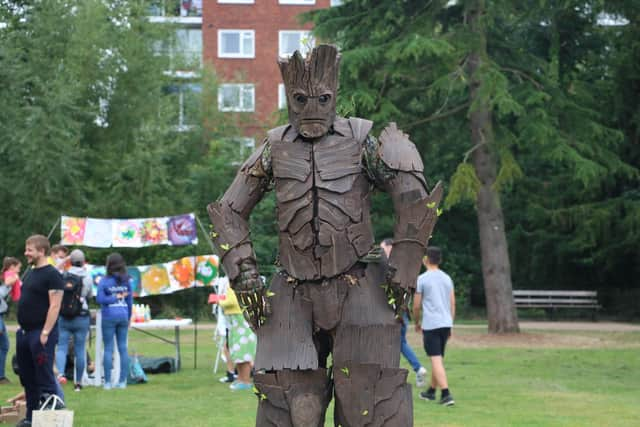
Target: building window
(237, 1)
(282, 97)
(184, 49)
(236, 44)
(336, 2)
(290, 41)
(188, 46)
(236, 97)
(186, 99)
(297, 1)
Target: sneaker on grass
(77, 387)
(425, 395)
(447, 401)
(229, 378)
(421, 376)
(237, 386)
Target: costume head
(311, 85)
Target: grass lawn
(538, 378)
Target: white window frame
(240, 108)
(236, 1)
(182, 89)
(282, 97)
(242, 33)
(303, 33)
(301, 2)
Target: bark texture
(496, 268)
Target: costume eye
(299, 98)
(324, 99)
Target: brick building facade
(242, 39)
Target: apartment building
(185, 51)
(242, 40)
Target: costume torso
(323, 200)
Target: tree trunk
(496, 269)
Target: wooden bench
(552, 300)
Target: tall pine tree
(491, 75)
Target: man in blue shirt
(434, 308)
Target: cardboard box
(13, 414)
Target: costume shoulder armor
(254, 160)
(360, 128)
(397, 151)
(277, 134)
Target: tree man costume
(334, 293)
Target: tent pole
(53, 228)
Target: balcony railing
(174, 11)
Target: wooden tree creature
(335, 293)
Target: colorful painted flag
(154, 232)
(165, 278)
(129, 233)
(182, 230)
(72, 230)
(126, 233)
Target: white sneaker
(421, 376)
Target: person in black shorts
(434, 308)
(37, 335)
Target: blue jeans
(35, 363)
(78, 327)
(4, 346)
(118, 328)
(405, 348)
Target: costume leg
(293, 398)
(285, 341)
(370, 388)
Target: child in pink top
(11, 276)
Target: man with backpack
(74, 318)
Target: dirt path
(568, 326)
(546, 335)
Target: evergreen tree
(503, 71)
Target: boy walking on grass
(434, 308)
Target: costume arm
(231, 235)
(394, 164)
(230, 215)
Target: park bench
(552, 300)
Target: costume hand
(397, 296)
(251, 294)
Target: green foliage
(88, 126)
(561, 89)
(464, 185)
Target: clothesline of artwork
(165, 278)
(129, 233)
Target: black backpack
(71, 303)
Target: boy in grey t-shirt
(434, 308)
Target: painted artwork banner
(165, 278)
(176, 230)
